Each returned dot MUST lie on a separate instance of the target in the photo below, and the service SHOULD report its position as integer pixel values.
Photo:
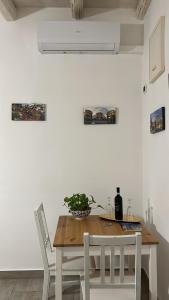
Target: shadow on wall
(95, 11)
(22, 13)
(162, 258)
(86, 14)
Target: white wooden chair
(114, 286)
(48, 256)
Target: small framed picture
(157, 120)
(28, 112)
(94, 115)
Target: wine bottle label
(117, 207)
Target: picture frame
(100, 115)
(157, 51)
(28, 112)
(157, 120)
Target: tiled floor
(31, 289)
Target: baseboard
(16, 274)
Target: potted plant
(80, 205)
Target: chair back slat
(121, 264)
(44, 227)
(117, 245)
(102, 264)
(112, 264)
(43, 234)
(43, 231)
(122, 240)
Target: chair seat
(110, 294)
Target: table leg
(58, 275)
(153, 272)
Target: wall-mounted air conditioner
(79, 37)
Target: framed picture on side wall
(157, 120)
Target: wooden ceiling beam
(142, 8)
(8, 10)
(77, 8)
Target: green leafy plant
(79, 202)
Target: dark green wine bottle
(118, 203)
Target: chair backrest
(113, 245)
(43, 234)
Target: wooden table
(68, 241)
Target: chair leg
(46, 283)
(81, 293)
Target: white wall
(156, 149)
(45, 161)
